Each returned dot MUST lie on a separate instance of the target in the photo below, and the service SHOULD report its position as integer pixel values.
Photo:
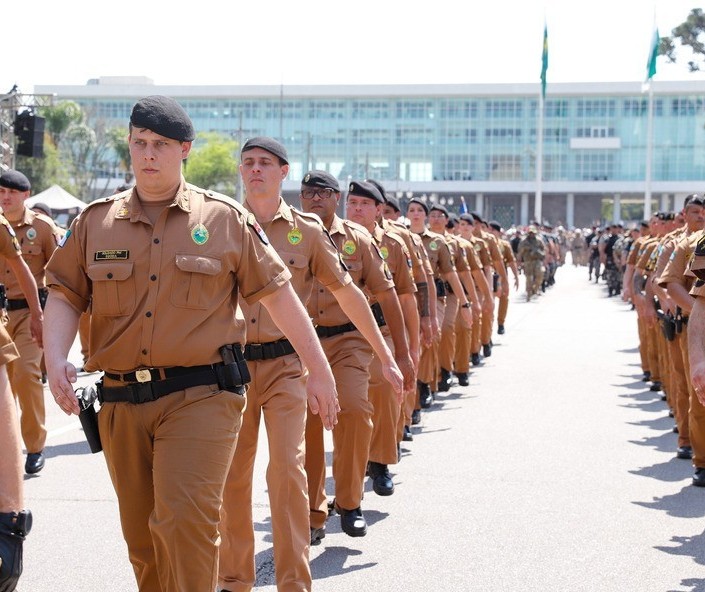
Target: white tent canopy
(58, 199)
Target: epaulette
(356, 226)
(307, 215)
(104, 200)
(219, 196)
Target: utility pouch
(233, 375)
(43, 295)
(88, 417)
(679, 320)
(3, 297)
(440, 288)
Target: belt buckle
(143, 375)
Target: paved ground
(553, 471)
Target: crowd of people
(659, 267)
(204, 315)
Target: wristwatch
(465, 304)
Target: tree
(59, 118)
(213, 163)
(690, 34)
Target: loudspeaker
(29, 131)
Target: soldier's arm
(61, 326)
(696, 347)
(680, 296)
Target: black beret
(40, 205)
(379, 187)
(440, 208)
(467, 218)
(418, 201)
(320, 179)
(477, 216)
(496, 225)
(365, 189)
(268, 144)
(164, 116)
(394, 203)
(15, 180)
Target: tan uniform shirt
(677, 265)
(439, 253)
(470, 254)
(307, 249)
(507, 253)
(365, 265)
(396, 257)
(646, 261)
(164, 294)
(482, 251)
(38, 236)
(636, 250)
(493, 247)
(414, 246)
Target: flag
(544, 61)
(463, 205)
(653, 54)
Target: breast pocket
(195, 283)
(114, 292)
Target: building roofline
(130, 87)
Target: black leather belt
(151, 390)
(323, 332)
(16, 303)
(269, 350)
(154, 374)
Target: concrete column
(570, 210)
(617, 208)
(479, 203)
(664, 202)
(524, 214)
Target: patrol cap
(268, 144)
(365, 189)
(452, 221)
(13, 179)
(496, 225)
(164, 116)
(420, 202)
(694, 198)
(467, 218)
(440, 208)
(322, 179)
(41, 206)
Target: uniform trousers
(26, 381)
(652, 351)
(277, 392)
(463, 336)
(696, 411)
(385, 414)
(486, 322)
(502, 307)
(349, 355)
(428, 362)
(643, 344)
(446, 350)
(168, 460)
(679, 381)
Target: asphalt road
(553, 471)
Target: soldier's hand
(407, 371)
(426, 334)
(697, 377)
(323, 397)
(61, 377)
(393, 376)
(467, 316)
(35, 329)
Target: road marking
(63, 429)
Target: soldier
(38, 236)
(509, 263)
(15, 521)
(277, 388)
(162, 265)
(530, 257)
(349, 354)
(400, 319)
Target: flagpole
(649, 150)
(539, 164)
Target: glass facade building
(454, 143)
